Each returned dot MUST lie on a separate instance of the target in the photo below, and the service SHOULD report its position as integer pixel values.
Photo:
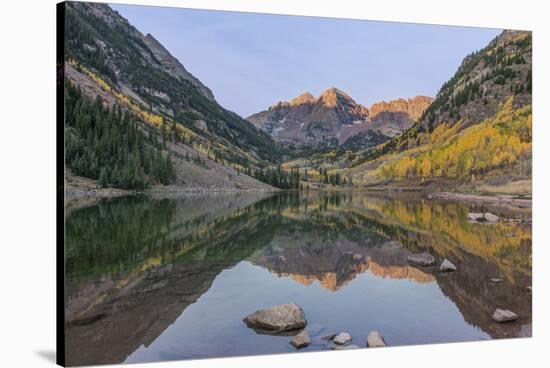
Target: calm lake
(164, 279)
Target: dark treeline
(278, 177)
(333, 179)
(107, 145)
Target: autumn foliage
(501, 142)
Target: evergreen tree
(107, 145)
(103, 180)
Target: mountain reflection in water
(151, 279)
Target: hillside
(484, 81)
(497, 150)
(482, 84)
(476, 132)
(109, 58)
(113, 148)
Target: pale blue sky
(250, 61)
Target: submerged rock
(329, 337)
(422, 259)
(301, 340)
(504, 315)
(447, 266)
(281, 317)
(342, 338)
(375, 340)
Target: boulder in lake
(281, 317)
(447, 266)
(342, 338)
(375, 340)
(422, 259)
(301, 340)
(504, 315)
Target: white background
(27, 154)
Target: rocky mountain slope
(335, 119)
(139, 68)
(172, 66)
(388, 120)
(484, 80)
(106, 56)
(414, 107)
(306, 120)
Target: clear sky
(250, 61)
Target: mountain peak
(332, 96)
(508, 36)
(305, 97)
(334, 91)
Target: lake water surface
(164, 279)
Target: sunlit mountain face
(145, 276)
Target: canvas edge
(59, 174)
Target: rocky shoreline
(502, 200)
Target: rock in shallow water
(329, 337)
(504, 315)
(342, 338)
(301, 340)
(447, 266)
(422, 259)
(375, 340)
(281, 317)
